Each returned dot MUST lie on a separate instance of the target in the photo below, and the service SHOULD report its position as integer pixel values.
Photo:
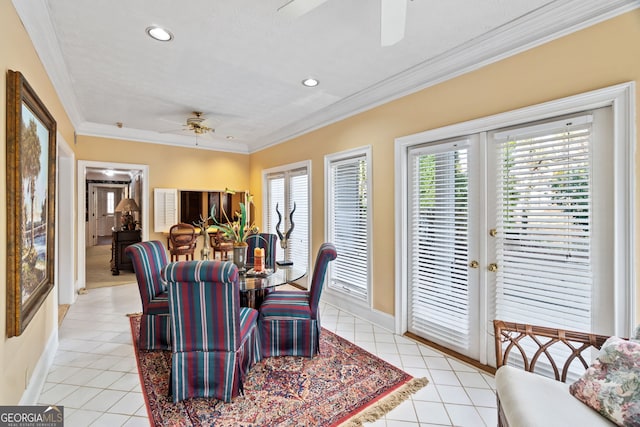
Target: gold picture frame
(31, 186)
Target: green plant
(238, 230)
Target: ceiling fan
(393, 15)
(196, 124)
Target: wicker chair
(535, 348)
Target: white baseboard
(376, 317)
(40, 372)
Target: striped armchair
(148, 260)
(289, 320)
(214, 341)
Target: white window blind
(439, 294)
(275, 187)
(284, 188)
(544, 224)
(348, 221)
(298, 250)
(165, 209)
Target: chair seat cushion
(530, 399)
(286, 305)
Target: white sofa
(531, 400)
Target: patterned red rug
(343, 385)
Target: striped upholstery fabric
(289, 320)
(215, 341)
(148, 260)
(263, 240)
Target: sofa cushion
(611, 385)
(529, 400)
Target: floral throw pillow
(611, 385)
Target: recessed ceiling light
(310, 82)
(159, 34)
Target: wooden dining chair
(182, 241)
(290, 320)
(220, 244)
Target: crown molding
(36, 19)
(550, 22)
(138, 135)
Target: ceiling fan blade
(296, 8)
(393, 17)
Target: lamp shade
(127, 205)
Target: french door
(287, 190)
(514, 224)
(443, 242)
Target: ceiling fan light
(310, 82)
(159, 34)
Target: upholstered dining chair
(266, 241)
(182, 241)
(148, 260)
(289, 320)
(214, 340)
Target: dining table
(255, 285)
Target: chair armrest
(508, 337)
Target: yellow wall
(600, 56)
(19, 355)
(603, 55)
(171, 167)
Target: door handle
(493, 267)
(474, 264)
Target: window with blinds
(348, 221)
(439, 283)
(544, 224)
(286, 189)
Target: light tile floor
(94, 373)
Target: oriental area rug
(342, 386)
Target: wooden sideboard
(120, 240)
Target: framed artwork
(31, 184)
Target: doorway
(101, 185)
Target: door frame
(622, 100)
(82, 211)
(93, 209)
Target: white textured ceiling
(241, 62)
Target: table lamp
(126, 206)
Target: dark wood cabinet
(120, 240)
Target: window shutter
(544, 224)
(439, 293)
(348, 219)
(165, 209)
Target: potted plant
(237, 231)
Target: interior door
(444, 303)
